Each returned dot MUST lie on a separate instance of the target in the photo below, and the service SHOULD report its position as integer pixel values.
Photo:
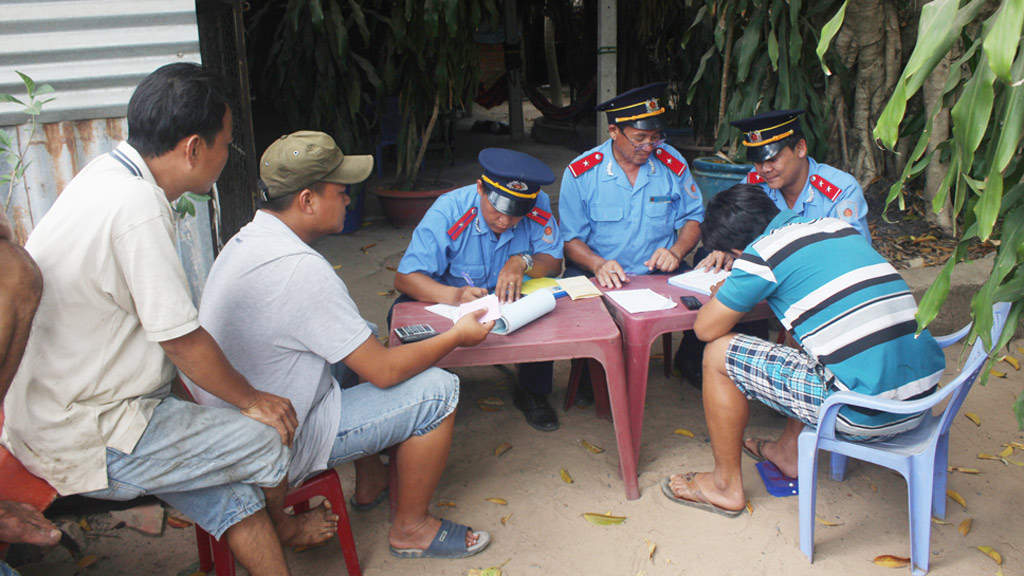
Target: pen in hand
(469, 281)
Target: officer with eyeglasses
(629, 206)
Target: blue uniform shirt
(475, 251)
(622, 221)
(847, 204)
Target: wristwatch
(528, 260)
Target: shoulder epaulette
(459, 227)
(675, 165)
(825, 187)
(539, 216)
(754, 178)
(586, 163)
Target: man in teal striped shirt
(848, 309)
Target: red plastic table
(640, 329)
(574, 329)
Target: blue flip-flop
(449, 542)
(371, 504)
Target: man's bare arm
(199, 357)
(385, 367)
(715, 320)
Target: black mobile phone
(691, 302)
(414, 332)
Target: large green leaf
(1003, 38)
(987, 207)
(971, 113)
(749, 44)
(1011, 123)
(939, 27)
(828, 33)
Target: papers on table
(489, 302)
(507, 318)
(698, 280)
(645, 300)
(579, 287)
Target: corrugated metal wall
(93, 53)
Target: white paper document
(513, 316)
(698, 280)
(645, 300)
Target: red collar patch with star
(539, 216)
(825, 187)
(675, 165)
(459, 227)
(586, 163)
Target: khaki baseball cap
(299, 160)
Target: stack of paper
(698, 280)
(645, 300)
(579, 287)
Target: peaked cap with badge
(301, 159)
(513, 179)
(637, 108)
(765, 134)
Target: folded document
(698, 280)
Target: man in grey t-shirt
(284, 317)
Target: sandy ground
(545, 532)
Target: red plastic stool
(324, 484)
(19, 485)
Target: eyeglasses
(646, 142)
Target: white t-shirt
(114, 288)
(283, 316)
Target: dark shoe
(689, 367)
(584, 394)
(537, 410)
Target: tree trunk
(551, 57)
(936, 170)
(865, 48)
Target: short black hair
(735, 217)
(282, 203)
(175, 102)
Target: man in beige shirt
(89, 410)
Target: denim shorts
(373, 418)
(209, 463)
(784, 378)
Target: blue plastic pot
(714, 175)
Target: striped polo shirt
(847, 307)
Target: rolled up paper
(523, 311)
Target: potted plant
(331, 65)
(431, 66)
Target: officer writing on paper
(490, 236)
(793, 180)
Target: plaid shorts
(784, 378)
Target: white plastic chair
(920, 455)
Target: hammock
(584, 103)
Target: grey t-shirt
(283, 316)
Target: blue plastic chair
(920, 455)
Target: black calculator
(415, 332)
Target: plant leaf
(965, 527)
(504, 519)
(828, 33)
(1001, 42)
(603, 519)
(1007, 452)
(591, 448)
(991, 553)
(890, 561)
(565, 476)
(956, 497)
(824, 522)
(963, 470)
(973, 418)
(683, 432)
(499, 501)
(490, 403)
(502, 448)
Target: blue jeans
(6, 570)
(373, 418)
(209, 463)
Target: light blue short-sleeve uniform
(622, 221)
(828, 193)
(453, 239)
